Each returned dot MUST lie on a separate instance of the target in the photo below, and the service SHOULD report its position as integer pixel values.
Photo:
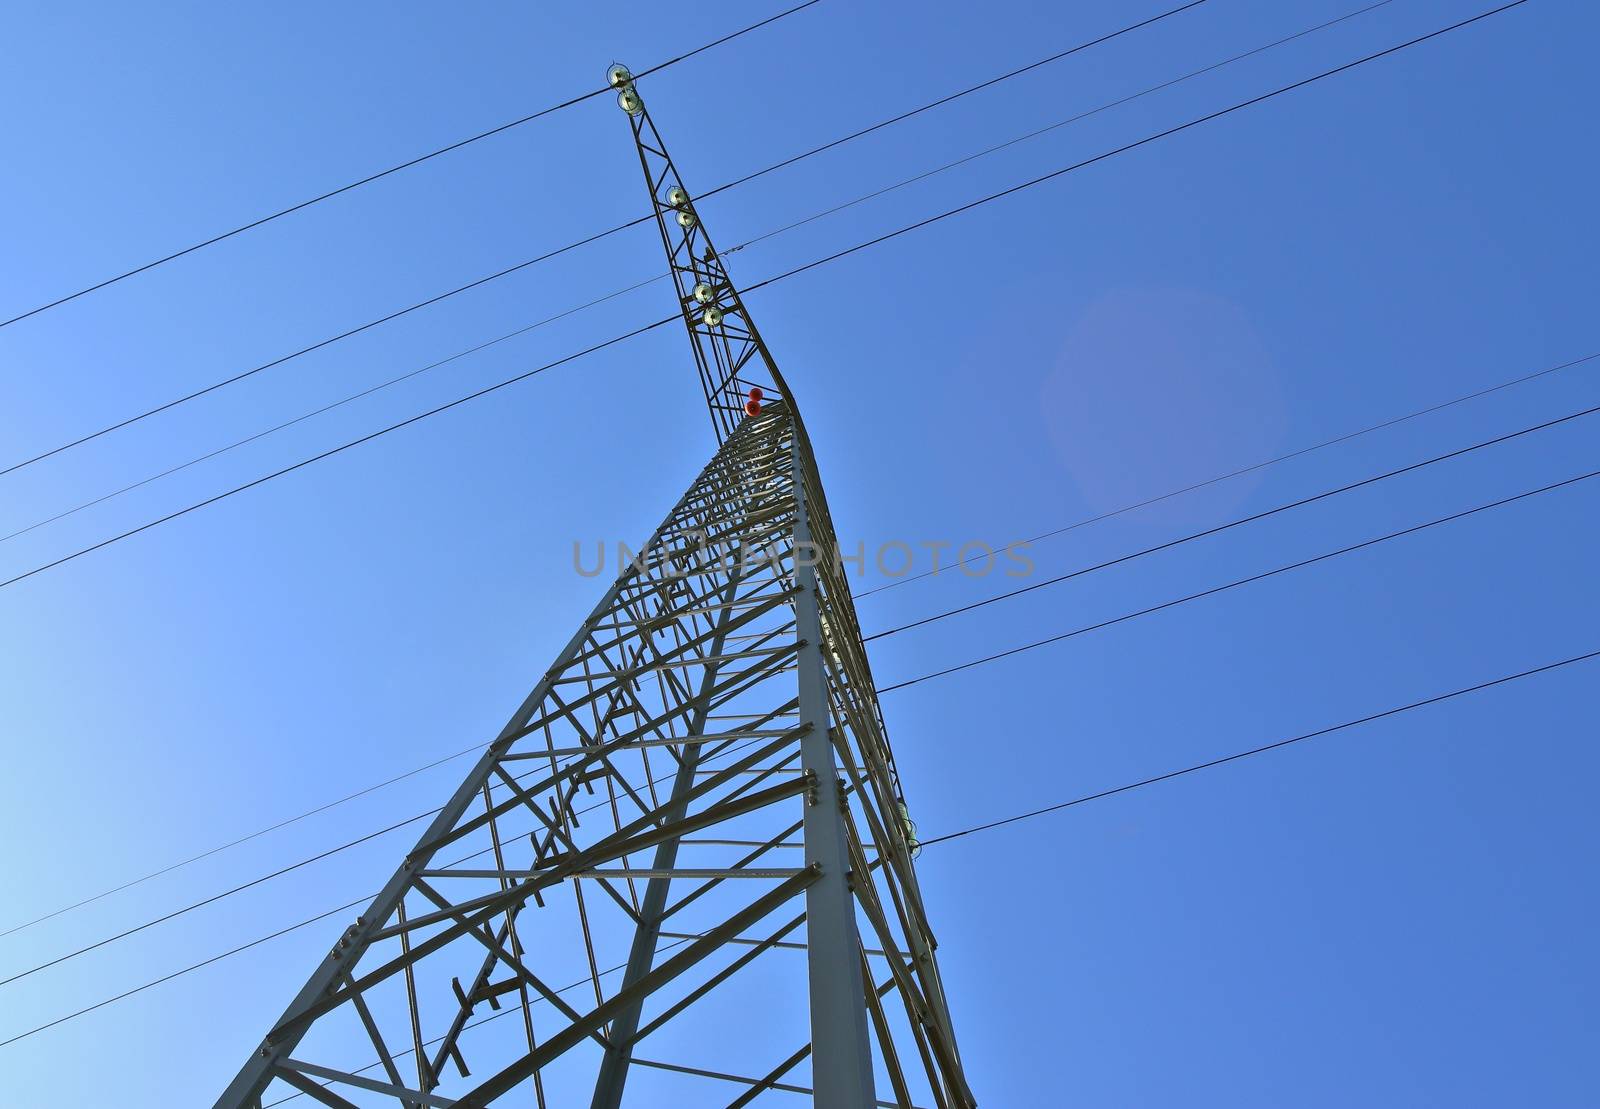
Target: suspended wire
(1244, 581)
(1293, 454)
(382, 385)
(448, 758)
(1239, 522)
(1060, 123)
(927, 677)
(213, 899)
(393, 169)
(295, 927)
(180, 973)
(339, 449)
(1385, 714)
(587, 240)
(1061, 637)
(1493, 683)
(1067, 53)
(1101, 796)
(242, 839)
(292, 867)
(1253, 467)
(731, 250)
(214, 386)
(1141, 142)
(920, 224)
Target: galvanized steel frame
(730, 651)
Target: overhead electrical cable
(217, 850)
(1240, 521)
(329, 407)
(1170, 131)
(1254, 466)
(1436, 522)
(340, 448)
(1060, 123)
(763, 237)
(1129, 787)
(214, 386)
(1263, 749)
(943, 100)
(887, 689)
(311, 920)
(457, 145)
(438, 762)
(585, 241)
(1385, 714)
(920, 224)
(298, 865)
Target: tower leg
(841, 1057)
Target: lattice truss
(682, 874)
(729, 354)
(686, 850)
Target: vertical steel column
(841, 1056)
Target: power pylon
(698, 796)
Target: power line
(1024, 816)
(1244, 581)
(763, 237)
(1398, 710)
(213, 899)
(291, 928)
(242, 839)
(990, 658)
(290, 868)
(585, 241)
(1253, 467)
(887, 689)
(457, 145)
(928, 842)
(336, 450)
(762, 284)
(1241, 521)
(420, 769)
(180, 973)
(1060, 123)
(1385, 714)
(1030, 67)
(329, 407)
(1144, 141)
(225, 382)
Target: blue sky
(1394, 915)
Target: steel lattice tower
(698, 794)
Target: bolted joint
(812, 790)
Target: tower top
(730, 356)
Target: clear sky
(1395, 915)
